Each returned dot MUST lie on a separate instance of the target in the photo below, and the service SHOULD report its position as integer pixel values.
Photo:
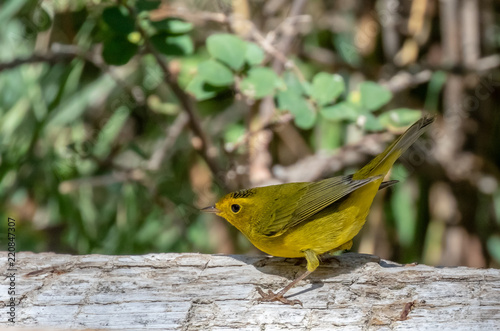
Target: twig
(221, 18)
(390, 35)
(282, 120)
(206, 149)
(171, 134)
(471, 35)
(260, 159)
(68, 186)
(51, 58)
(488, 63)
(287, 24)
(403, 80)
(286, 42)
(275, 53)
(324, 164)
(189, 15)
(96, 59)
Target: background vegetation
(120, 119)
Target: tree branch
(202, 292)
(206, 149)
(50, 58)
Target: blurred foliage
(80, 127)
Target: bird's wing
(315, 197)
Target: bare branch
(207, 151)
(324, 164)
(403, 80)
(171, 134)
(50, 58)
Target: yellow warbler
(310, 219)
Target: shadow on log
(211, 292)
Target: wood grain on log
(215, 292)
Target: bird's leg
(271, 296)
(312, 264)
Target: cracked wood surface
(215, 292)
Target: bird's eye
(235, 208)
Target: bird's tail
(381, 164)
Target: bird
(308, 219)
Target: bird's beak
(211, 209)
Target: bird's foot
(270, 296)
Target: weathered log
(216, 292)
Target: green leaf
(340, 111)
(493, 244)
(403, 208)
(305, 116)
(42, 19)
(434, 88)
(344, 44)
(215, 73)
(173, 26)
(372, 123)
(119, 20)
(288, 99)
(189, 67)
(110, 131)
(13, 118)
(399, 117)
(70, 109)
(259, 83)
(147, 5)
(234, 132)
(293, 83)
(374, 96)
(201, 90)
(326, 88)
(172, 45)
(254, 54)
(228, 49)
(11, 8)
(118, 51)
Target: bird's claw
(270, 296)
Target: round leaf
(173, 26)
(371, 123)
(399, 117)
(118, 51)
(227, 48)
(42, 19)
(306, 119)
(259, 83)
(147, 5)
(374, 96)
(340, 111)
(118, 19)
(326, 88)
(200, 89)
(292, 82)
(305, 116)
(287, 100)
(173, 45)
(254, 54)
(215, 73)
